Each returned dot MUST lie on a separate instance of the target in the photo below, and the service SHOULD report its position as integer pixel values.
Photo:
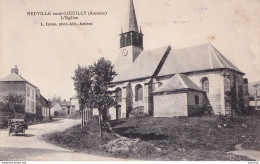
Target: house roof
(196, 58)
(15, 77)
(54, 103)
(64, 103)
(176, 83)
(74, 96)
(145, 65)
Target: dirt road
(31, 148)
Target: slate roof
(64, 103)
(144, 66)
(131, 24)
(15, 77)
(176, 83)
(196, 58)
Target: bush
(138, 111)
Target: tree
(55, 98)
(92, 83)
(13, 103)
(102, 99)
(82, 83)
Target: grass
(180, 138)
(87, 141)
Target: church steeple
(131, 35)
(131, 24)
(131, 39)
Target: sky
(47, 56)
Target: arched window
(205, 84)
(138, 92)
(226, 84)
(128, 39)
(122, 41)
(118, 95)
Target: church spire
(131, 37)
(131, 24)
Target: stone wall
(193, 108)
(218, 99)
(215, 95)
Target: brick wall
(170, 105)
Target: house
(74, 104)
(55, 109)
(14, 83)
(42, 106)
(254, 94)
(61, 108)
(168, 82)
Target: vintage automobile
(17, 126)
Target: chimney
(14, 70)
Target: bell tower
(131, 40)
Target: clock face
(124, 52)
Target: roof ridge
(168, 45)
(220, 56)
(182, 81)
(210, 56)
(21, 77)
(215, 54)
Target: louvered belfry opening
(132, 35)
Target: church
(166, 82)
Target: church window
(118, 95)
(196, 99)
(140, 41)
(128, 39)
(226, 84)
(205, 84)
(122, 41)
(135, 39)
(138, 92)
